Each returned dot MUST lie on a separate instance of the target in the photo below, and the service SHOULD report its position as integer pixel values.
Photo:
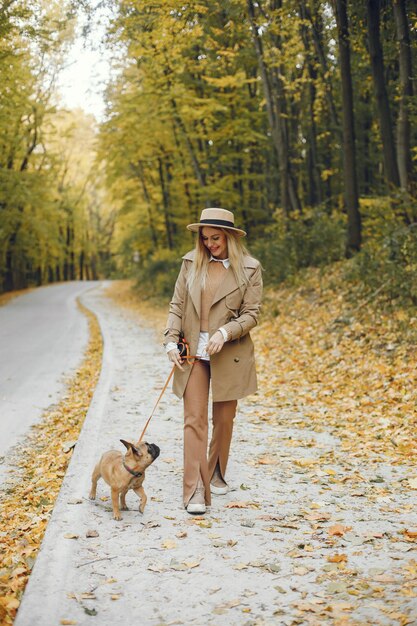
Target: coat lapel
(195, 294)
(228, 285)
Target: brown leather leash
(185, 357)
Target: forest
(299, 116)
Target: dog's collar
(137, 474)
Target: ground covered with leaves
(336, 413)
(346, 361)
(41, 462)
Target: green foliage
(314, 238)
(50, 187)
(387, 263)
(157, 274)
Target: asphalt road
(43, 336)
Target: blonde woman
(215, 304)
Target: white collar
(225, 262)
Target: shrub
(157, 274)
(314, 238)
(389, 265)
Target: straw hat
(218, 218)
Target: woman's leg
(196, 431)
(223, 416)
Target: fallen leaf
(191, 564)
(91, 533)
(338, 530)
(71, 536)
(337, 558)
(155, 567)
(306, 462)
(336, 587)
(90, 611)
(266, 460)
(169, 544)
(242, 505)
(152, 524)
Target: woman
(215, 304)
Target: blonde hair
(236, 251)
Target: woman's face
(215, 241)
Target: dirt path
(306, 536)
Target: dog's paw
(124, 508)
(141, 509)
(117, 517)
(92, 496)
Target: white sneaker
(197, 503)
(219, 489)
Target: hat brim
(196, 227)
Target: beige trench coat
(233, 374)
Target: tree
(405, 92)
(381, 95)
(349, 153)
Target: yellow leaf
(337, 558)
(306, 462)
(191, 564)
(267, 460)
(242, 505)
(338, 530)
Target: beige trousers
(196, 464)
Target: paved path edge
(50, 570)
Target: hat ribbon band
(218, 223)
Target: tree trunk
(349, 155)
(276, 105)
(406, 92)
(139, 171)
(313, 170)
(165, 203)
(193, 210)
(384, 114)
(317, 34)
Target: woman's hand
(174, 357)
(215, 343)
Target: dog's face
(140, 455)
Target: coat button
(236, 359)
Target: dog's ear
(128, 444)
(136, 451)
